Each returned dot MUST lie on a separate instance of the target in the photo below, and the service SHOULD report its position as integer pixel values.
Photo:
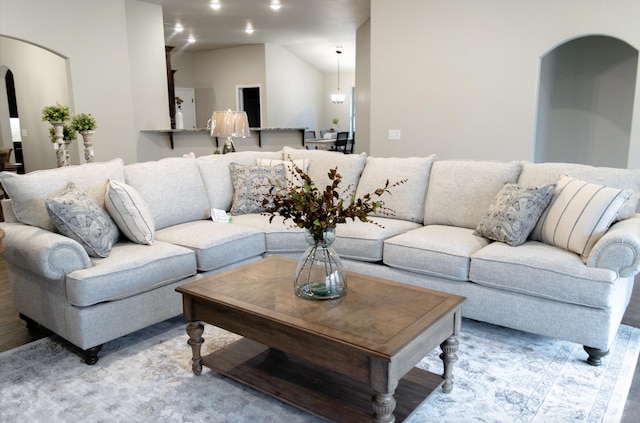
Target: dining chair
(342, 141)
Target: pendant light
(338, 98)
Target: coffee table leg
(383, 406)
(194, 330)
(448, 356)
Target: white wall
(462, 80)
(110, 46)
(363, 88)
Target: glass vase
(320, 274)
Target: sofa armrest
(46, 253)
(619, 248)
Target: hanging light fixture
(338, 98)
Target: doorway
(585, 102)
(249, 101)
(188, 107)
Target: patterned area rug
(502, 375)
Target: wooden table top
(378, 315)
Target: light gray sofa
(536, 286)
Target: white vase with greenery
(85, 124)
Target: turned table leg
(194, 330)
(448, 357)
(383, 406)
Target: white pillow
(127, 208)
(579, 214)
(291, 179)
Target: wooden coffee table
(350, 359)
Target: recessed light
(249, 29)
(275, 5)
(178, 28)
(191, 39)
(215, 5)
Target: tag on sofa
(218, 215)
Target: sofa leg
(90, 355)
(31, 324)
(595, 355)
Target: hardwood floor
(13, 333)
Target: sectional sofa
(549, 248)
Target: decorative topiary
(83, 122)
(67, 134)
(57, 113)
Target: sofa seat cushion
(29, 191)
(281, 237)
(443, 251)
(130, 269)
(544, 271)
(364, 241)
(216, 244)
(171, 188)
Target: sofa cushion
(281, 237)
(251, 185)
(128, 209)
(460, 191)
(407, 199)
(214, 170)
(579, 214)
(544, 271)
(129, 270)
(442, 251)
(364, 241)
(537, 174)
(514, 213)
(216, 244)
(77, 216)
(349, 166)
(292, 178)
(29, 191)
(172, 189)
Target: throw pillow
(291, 178)
(251, 184)
(579, 214)
(128, 209)
(514, 213)
(76, 215)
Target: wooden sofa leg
(31, 324)
(595, 355)
(90, 355)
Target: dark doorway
(251, 105)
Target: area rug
(502, 375)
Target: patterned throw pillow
(76, 215)
(251, 184)
(128, 209)
(514, 213)
(579, 214)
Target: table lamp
(229, 124)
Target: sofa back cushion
(460, 191)
(320, 162)
(171, 188)
(29, 191)
(214, 170)
(407, 199)
(538, 174)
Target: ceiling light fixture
(338, 98)
(215, 5)
(178, 28)
(191, 39)
(275, 5)
(249, 29)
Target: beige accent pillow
(579, 214)
(407, 199)
(128, 209)
(460, 191)
(291, 178)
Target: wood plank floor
(13, 333)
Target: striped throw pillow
(130, 212)
(579, 214)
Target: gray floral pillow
(514, 212)
(251, 185)
(76, 215)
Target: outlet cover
(394, 134)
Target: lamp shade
(230, 124)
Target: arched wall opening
(585, 102)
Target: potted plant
(85, 124)
(335, 121)
(57, 113)
(56, 116)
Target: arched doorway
(585, 102)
